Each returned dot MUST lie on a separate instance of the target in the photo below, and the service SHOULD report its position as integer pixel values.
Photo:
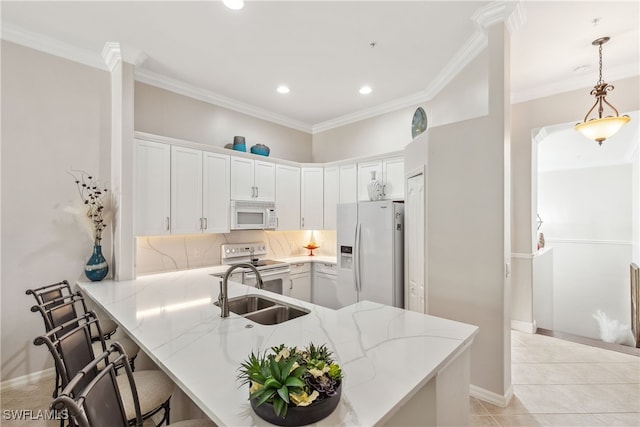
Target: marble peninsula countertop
(387, 354)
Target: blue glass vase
(96, 268)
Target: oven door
(273, 280)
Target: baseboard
(491, 397)
(28, 379)
(528, 327)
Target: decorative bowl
(260, 149)
(299, 415)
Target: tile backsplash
(156, 254)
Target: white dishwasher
(325, 285)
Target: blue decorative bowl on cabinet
(260, 149)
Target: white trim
(528, 327)
(111, 54)
(37, 41)
(474, 45)
(177, 86)
(588, 241)
(491, 397)
(521, 255)
(28, 379)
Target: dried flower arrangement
(94, 199)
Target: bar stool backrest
(98, 403)
(70, 346)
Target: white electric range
(274, 273)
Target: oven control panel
(242, 250)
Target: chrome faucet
(223, 297)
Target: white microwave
(253, 215)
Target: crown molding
(37, 41)
(177, 86)
(111, 54)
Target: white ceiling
(321, 49)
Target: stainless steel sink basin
(276, 314)
(248, 304)
(265, 311)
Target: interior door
(415, 244)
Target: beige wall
(55, 116)
(527, 117)
(166, 113)
(465, 97)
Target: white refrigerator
(370, 240)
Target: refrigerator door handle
(356, 259)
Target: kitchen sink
(263, 310)
(276, 314)
(248, 304)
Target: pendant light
(601, 128)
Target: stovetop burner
(237, 253)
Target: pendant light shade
(601, 128)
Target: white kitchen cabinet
(389, 172)
(348, 183)
(312, 204)
(152, 188)
(331, 196)
(252, 179)
(300, 282)
(393, 178)
(215, 193)
(288, 197)
(199, 191)
(186, 190)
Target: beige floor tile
(619, 420)
(521, 420)
(573, 420)
(602, 398)
(483, 420)
(553, 399)
(476, 407)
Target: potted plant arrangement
(291, 386)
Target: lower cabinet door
(300, 287)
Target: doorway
(586, 211)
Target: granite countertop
(386, 353)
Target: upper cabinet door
(242, 187)
(366, 172)
(331, 196)
(312, 199)
(288, 197)
(186, 191)
(152, 188)
(393, 176)
(216, 188)
(265, 181)
(348, 183)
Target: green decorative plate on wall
(419, 122)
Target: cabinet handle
(384, 190)
(206, 223)
(257, 192)
(168, 221)
(200, 223)
(302, 222)
(290, 284)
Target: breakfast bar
(400, 367)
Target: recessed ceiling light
(234, 4)
(365, 90)
(283, 89)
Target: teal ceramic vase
(96, 268)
